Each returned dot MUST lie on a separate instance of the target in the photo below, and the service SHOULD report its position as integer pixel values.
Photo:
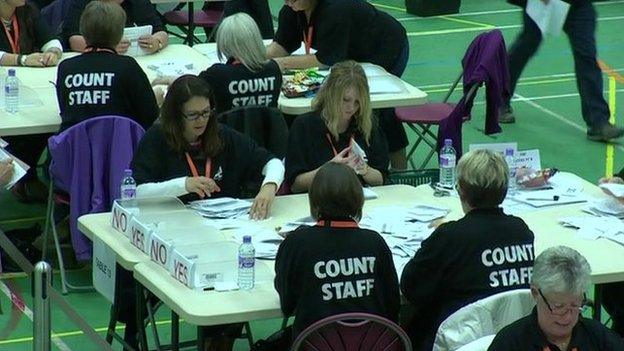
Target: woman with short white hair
(484, 253)
(561, 276)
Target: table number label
(121, 219)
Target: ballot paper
(613, 189)
(132, 34)
(173, 67)
(357, 150)
(265, 241)
(549, 17)
(547, 197)
(592, 227)
(225, 207)
(19, 168)
(605, 207)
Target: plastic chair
(87, 164)
(353, 332)
(187, 21)
(483, 318)
(484, 49)
(415, 177)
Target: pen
(553, 198)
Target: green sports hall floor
(549, 119)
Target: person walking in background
(580, 27)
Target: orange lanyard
(13, 39)
(546, 348)
(194, 172)
(331, 143)
(337, 224)
(307, 40)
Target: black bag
(278, 341)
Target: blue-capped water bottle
(246, 264)
(11, 92)
(448, 158)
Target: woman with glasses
(339, 30)
(99, 81)
(189, 155)
(484, 253)
(341, 123)
(561, 276)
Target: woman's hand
(123, 46)
(261, 207)
(342, 157)
(202, 186)
(615, 180)
(50, 58)
(34, 60)
(149, 43)
(6, 172)
(159, 94)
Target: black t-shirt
(309, 146)
(321, 271)
(138, 13)
(104, 83)
(526, 335)
(32, 36)
(236, 86)
(484, 253)
(241, 160)
(344, 29)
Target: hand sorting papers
(225, 207)
(132, 34)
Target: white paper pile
(173, 68)
(605, 207)
(614, 189)
(265, 241)
(592, 228)
(290, 226)
(225, 207)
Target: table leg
(597, 302)
(191, 33)
(175, 331)
(140, 302)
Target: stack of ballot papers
(605, 207)
(265, 241)
(613, 189)
(592, 228)
(225, 207)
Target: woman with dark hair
(188, 154)
(335, 266)
(26, 39)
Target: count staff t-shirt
(321, 271)
(104, 83)
(235, 85)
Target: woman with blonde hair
(341, 129)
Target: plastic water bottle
(448, 158)
(246, 264)
(128, 186)
(11, 92)
(511, 164)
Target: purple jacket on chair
(485, 62)
(88, 161)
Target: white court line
(544, 97)
(28, 312)
(479, 13)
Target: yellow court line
(480, 24)
(388, 7)
(73, 333)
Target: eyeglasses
(206, 114)
(560, 310)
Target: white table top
(46, 119)
(212, 308)
(297, 106)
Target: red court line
(610, 71)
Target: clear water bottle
(511, 164)
(11, 92)
(128, 186)
(246, 264)
(448, 158)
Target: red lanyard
(331, 143)
(546, 348)
(194, 172)
(13, 39)
(94, 49)
(307, 40)
(337, 224)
